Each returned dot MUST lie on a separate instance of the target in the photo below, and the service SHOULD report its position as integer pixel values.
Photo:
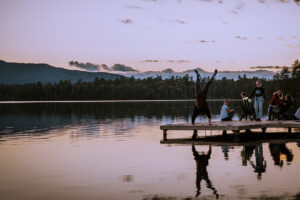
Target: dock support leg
(290, 130)
(248, 131)
(236, 132)
(165, 135)
(195, 135)
(224, 134)
(263, 130)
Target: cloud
(134, 7)
(182, 61)
(90, 67)
(122, 68)
(178, 21)
(126, 21)
(86, 66)
(280, 38)
(267, 67)
(150, 0)
(291, 46)
(150, 61)
(200, 41)
(178, 61)
(241, 38)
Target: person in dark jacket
(288, 100)
(201, 107)
(259, 96)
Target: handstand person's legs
(197, 84)
(205, 89)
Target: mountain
(128, 71)
(20, 73)
(168, 73)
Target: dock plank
(234, 126)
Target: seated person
(297, 114)
(288, 100)
(247, 107)
(275, 102)
(283, 108)
(245, 98)
(226, 112)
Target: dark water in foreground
(112, 151)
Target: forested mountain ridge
(21, 73)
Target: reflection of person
(225, 151)
(226, 112)
(259, 95)
(246, 154)
(278, 151)
(201, 107)
(260, 164)
(202, 163)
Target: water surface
(112, 150)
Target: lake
(112, 150)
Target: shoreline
(109, 101)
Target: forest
(288, 79)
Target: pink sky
(230, 35)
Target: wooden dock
(234, 126)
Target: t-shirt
(224, 112)
(297, 114)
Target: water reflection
(92, 149)
(279, 153)
(201, 164)
(251, 155)
(260, 164)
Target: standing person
(201, 107)
(259, 96)
(226, 112)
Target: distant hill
(20, 73)
(168, 73)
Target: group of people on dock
(278, 105)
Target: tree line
(288, 79)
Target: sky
(151, 34)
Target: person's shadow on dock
(202, 163)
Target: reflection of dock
(246, 139)
(234, 126)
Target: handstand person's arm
(197, 86)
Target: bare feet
(209, 122)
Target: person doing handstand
(201, 107)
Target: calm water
(113, 151)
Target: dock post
(195, 135)
(263, 130)
(224, 133)
(290, 130)
(236, 132)
(165, 135)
